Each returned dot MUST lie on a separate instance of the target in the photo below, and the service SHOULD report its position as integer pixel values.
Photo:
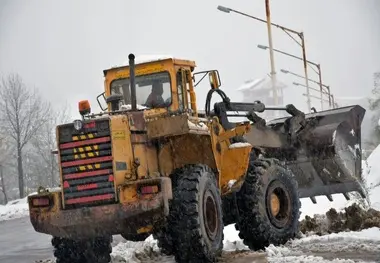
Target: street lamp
(318, 66)
(286, 30)
(224, 9)
(268, 22)
(331, 98)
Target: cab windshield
(152, 91)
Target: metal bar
(328, 90)
(315, 97)
(262, 20)
(290, 55)
(132, 82)
(295, 40)
(299, 84)
(300, 76)
(320, 84)
(305, 69)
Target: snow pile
(129, 107)
(14, 209)
(240, 145)
(371, 172)
(131, 251)
(345, 247)
(18, 208)
(199, 126)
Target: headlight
(78, 125)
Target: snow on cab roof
(145, 59)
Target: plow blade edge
(324, 155)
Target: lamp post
(287, 31)
(318, 66)
(330, 97)
(268, 22)
(285, 71)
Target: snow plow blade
(322, 149)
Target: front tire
(268, 205)
(197, 225)
(95, 250)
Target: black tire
(260, 223)
(135, 237)
(96, 250)
(164, 241)
(196, 225)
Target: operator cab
(152, 91)
(162, 84)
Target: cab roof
(146, 59)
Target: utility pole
(305, 69)
(273, 70)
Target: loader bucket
(326, 159)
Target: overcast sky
(61, 47)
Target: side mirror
(214, 79)
(103, 105)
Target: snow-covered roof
(250, 84)
(149, 58)
(261, 84)
(144, 59)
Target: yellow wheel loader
(151, 164)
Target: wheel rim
(278, 204)
(210, 215)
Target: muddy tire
(268, 205)
(96, 250)
(135, 237)
(196, 227)
(164, 241)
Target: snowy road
(20, 243)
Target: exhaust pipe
(131, 58)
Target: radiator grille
(86, 164)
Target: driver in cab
(155, 99)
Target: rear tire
(164, 241)
(135, 237)
(95, 250)
(268, 205)
(196, 220)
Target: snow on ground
(363, 246)
(18, 208)
(14, 209)
(345, 247)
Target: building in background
(261, 90)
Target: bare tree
(45, 141)
(24, 112)
(5, 151)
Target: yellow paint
(121, 148)
(118, 135)
(128, 194)
(274, 204)
(87, 167)
(234, 166)
(86, 155)
(83, 137)
(86, 149)
(146, 229)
